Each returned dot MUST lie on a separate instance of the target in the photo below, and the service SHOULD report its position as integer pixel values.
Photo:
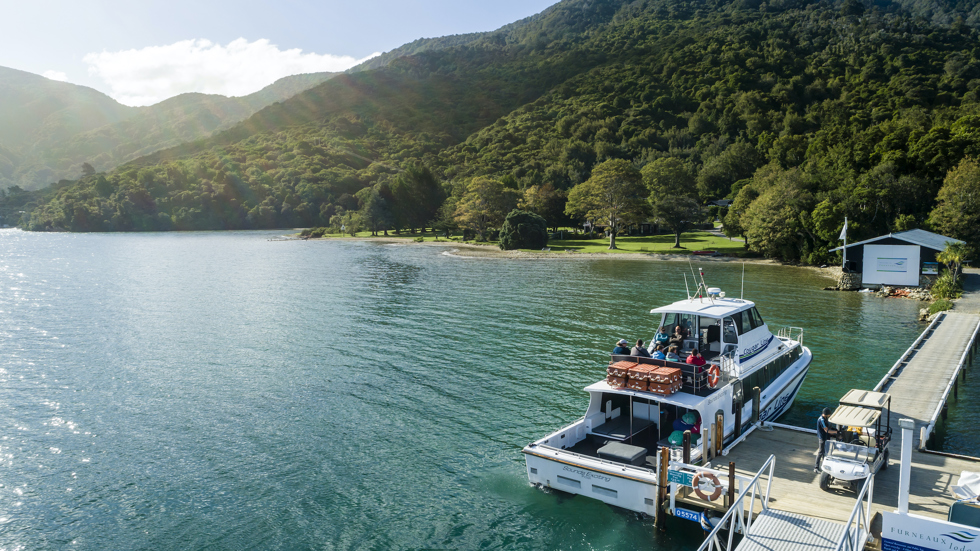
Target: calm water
(227, 391)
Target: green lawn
(660, 244)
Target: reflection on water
(203, 390)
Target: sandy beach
(470, 250)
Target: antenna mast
(741, 294)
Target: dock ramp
(775, 530)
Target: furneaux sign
(915, 533)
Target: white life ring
(714, 375)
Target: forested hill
(48, 129)
(803, 112)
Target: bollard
(756, 400)
(687, 447)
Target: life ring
(714, 375)
(714, 481)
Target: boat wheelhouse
(644, 404)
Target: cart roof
(853, 416)
(865, 398)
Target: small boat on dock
(642, 404)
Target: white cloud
(152, 74)
(55, 75)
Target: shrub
(946, 286)
(940, 305)
(523, 230)
(419, 239)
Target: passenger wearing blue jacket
(622, 348)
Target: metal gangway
(770, 529)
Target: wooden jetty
(920, 384)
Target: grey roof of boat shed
(919, 237)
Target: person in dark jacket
(639, 350)
(622, 348)
(824, 432)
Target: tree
(668, 177)
(418, 196)
(547, 202)
(615, 194)
(87, 170)
(484, 205)
(774, 222)
(953, 256)
(374, 210)
(523, 230)
(676, 213)
(958, 212)
(344, 221)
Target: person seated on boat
(658, 353)
(696, 359)
(662, 336)
(677, 339)
(639, 350)
(622, 348)
(672, 354)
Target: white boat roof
(711, 308)
(681, 399)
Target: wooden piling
(738, 419)
(719, 433)
(687, 447)
(756, 401)
(730, 498)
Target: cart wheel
(884, 464)
(853, 485)
(824, 481)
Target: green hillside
(803, 112)
(48, 129)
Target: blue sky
(143, 51)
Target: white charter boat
(610, 454)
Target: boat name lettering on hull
(587, 474)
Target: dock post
(908, 425)
(687, 447)
(706, 447)
(719, 433)
(730, 498)
(956, 383)
(756, 400)
(663, 454)
(738, 419)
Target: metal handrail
(928, 331)
(857, 529)
(738, 518)
(787, 333)
(949, 386)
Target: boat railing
(859, 524)
(729, 366)
(791, 333)
(741, 514)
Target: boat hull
(624, 486)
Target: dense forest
(801, 112)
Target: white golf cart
(863, 434)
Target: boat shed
(897, 258)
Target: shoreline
(472, 251)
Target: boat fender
(714, 481)
(714, 375)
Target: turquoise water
(230, 390)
